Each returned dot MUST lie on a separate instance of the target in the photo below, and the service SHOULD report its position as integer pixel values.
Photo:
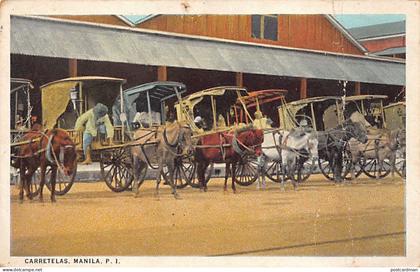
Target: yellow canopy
(55, 98)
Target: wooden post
(73, 67)
(303, 88)
(162, 73)
(239, 79)
(357, 88)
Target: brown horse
(53, 148)
(226, 147)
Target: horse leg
(227, 170)
(171, 170)
(28, 180)
(136, 171)
(206, 164)
(201, 169)
(233, 171)
(22, 180)
(42, 182)
(52, 182)
(159, 173)
(292, 171)
(392, 161)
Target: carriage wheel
(306, 171)
(34, 187)
(371, 167)
(183, 171)
(247, 171)
(63, 183)
(116, 168)
(326, 170)
(274, 171)
(193, 179)
(400, 167)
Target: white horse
(287, 151)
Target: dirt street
(364, 218)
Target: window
(264, 27)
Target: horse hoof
(205, 189)
(176, 196)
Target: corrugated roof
(65, 39)
(378, 30)
(391, 51)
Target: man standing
(90, 123)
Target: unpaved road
(365, 218)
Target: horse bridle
(177, 143)
(236, 143)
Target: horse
(55, 148)
(332, 143)
(226, 147)
(381, 145)
(164, 145)
(292, 149)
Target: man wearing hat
(90, 122)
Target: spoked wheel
(327, 171)
(193, 179)
(63, 183)
(274, 171)
(371, 168)
(247, 171)
(184, 170)
(34, 187)
(116, 168)
(305, 172)
(400, 167)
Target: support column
(162, 73)
(357, 88)
(303, 88)
(239, 79)
(72, 67)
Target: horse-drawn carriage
(325, 113)
(62, 102)
(20, 117)
(20, 107)
(218, 118)
(395, 119)
(386, 135)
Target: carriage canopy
(64, 100)
(214, 106)
(20, 103)
(153, 97)
(321, 113)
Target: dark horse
(332, 143)
(226, 147)
(53, 148)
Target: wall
(301, 31)
(382, 44)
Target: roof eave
(346, 33)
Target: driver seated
(143, 118)
(261, 122)
(221, 123)
(357, 117)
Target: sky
(356, 20)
